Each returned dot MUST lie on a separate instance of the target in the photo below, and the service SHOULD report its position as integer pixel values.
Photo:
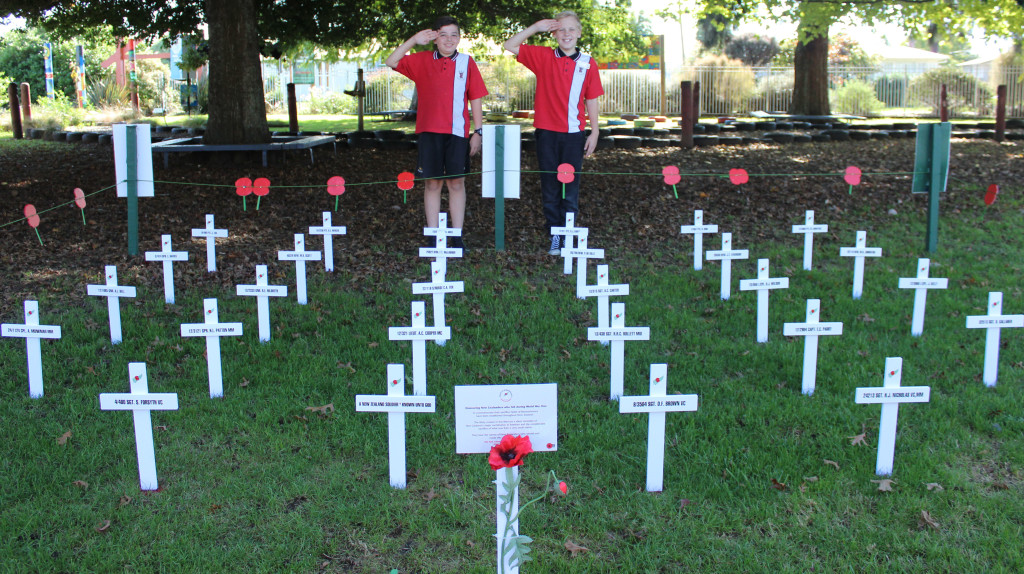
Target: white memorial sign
(213, 330)
(113, 292)
(992, 323)
(763, 285)
(143, 159)
(602, 291)
(168, 257)
(261, 291)
(571, 235)
(437, 289)
(808, 229)
(656, 404)
(140, 401)
(300, 256)
(32, 331)
(510, 160)
(328, 231)
(396, 404)
(859, 252)
(698, 229)
(618, 333)
(890, 395)
(921, 284)
(419, 334)
(810, 330)
(486, 413)
(726, 255)
(211, 233)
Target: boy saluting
(568, 86)
(445, 80)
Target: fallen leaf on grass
(779, 485)
(244, 383)
(301, 418)
(374, 344)
(927, 520)
(857, 439)
(125, 499)
(811, 478)
(347, 365)
(104, 526)
(934, 486)
(684, 503)
(63, 439)
(328, 408)
(575, 549)
(81, 484)
(831, 463)
(160, 428)
(884, 485)
(430, 495)
(470, 543)
(866, 318)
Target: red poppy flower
(509, 452)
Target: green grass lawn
(760, 479)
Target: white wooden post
(698, 229)
(113, 292)
(617, 334)
(300, 256)
(810, 330)
(726, 256)
(212, 329)
(262, 290)
(328, 231)
(859, 252)
(808, 229)
(32, 331)
(921, 284)
(763, 285)
(419, 334)
(211, 234)
(168, 257)
(992, 323)
(890, 396)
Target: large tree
(241, 30)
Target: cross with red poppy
(419, 334)
(617, 334)
(113, 292)
(262, 290)
(167, 256)
(32, 331)
(810, 330)
(890, 395)
(212, 329)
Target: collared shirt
(564, 84)
(445, 85)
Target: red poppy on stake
(33, 219)
(509, 452)
(261, 187)
(80, 202)
(671, 174)
(336, 187)
(993, 191)
(243, 187)
(405, 183)
(738, 176)
(566, 174)
(852, 177)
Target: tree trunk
(810, 76)
(236, 104)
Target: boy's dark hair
(445, 21)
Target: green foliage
(844, 50)
(331, 103)
(719, 79)
(21, 59)
(891, 89)
(154, 85)
(195, 53)
(752, 49)
(855, 97)
(59, 113)
(963, 90)
(105, 92)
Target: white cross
(140, 401)
(890, 395)
(763, 285)
(698, 229)
(396, 405)
(921, 284)
(168, 257)
(726, 255)
(32, 331)
(328, 231)
(617, 333)
(992, 323)
(442, 232)
(437, 288)
(211, 234)
(602, 291)
(213, 330)
(859, 252)
(261, 291)
(810, 330)
(419, 334)
(656, 404)
(572, 234)
(809, 229)
(582, 254)
(113, 292)
(300, 256)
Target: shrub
(962, 90)
(724, 84)
(855, 97)
(891, 90)
(330, 103)
(57, 114)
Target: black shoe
(457, 243)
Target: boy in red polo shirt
(445, 80)
(568, 86)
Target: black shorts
(442, 155)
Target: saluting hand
(424, 37)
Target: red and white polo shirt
(445, 86)
(564, 83)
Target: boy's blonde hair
(569, 14)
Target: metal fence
(724, 90)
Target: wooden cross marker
(859, 252)
(698, 229)
(113, 292)
(419, 334)
(437, 288)
(810, 330)
(602, 291)
(890, 396)
(300, 256)
(763, 285)
(726, 256)
(656, 404)
(396, 405)
(168, 257)
(328, 231)
(441, 253)
(32, 331)
(213, 330)
(921, 284)
(582, 254)
(571, 234)
(262, 290)
(617, 334)
(211, 234)
(992, 323)
(809, 229)
(140, 401)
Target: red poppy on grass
(509, 452)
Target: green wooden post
(132, 175)
(499, 188)
(931, 167)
